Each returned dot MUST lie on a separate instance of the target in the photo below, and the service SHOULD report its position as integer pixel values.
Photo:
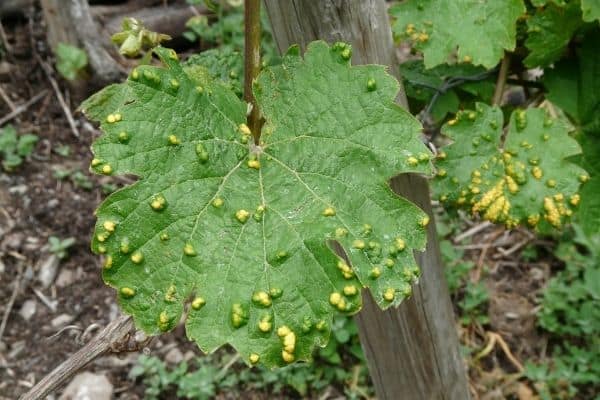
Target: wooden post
(412, 351)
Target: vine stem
(501, 81)
(252, 62)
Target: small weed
(15, 148)
(60, 246)
(70, 61)
(63, 150)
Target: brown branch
(19, 109)
(252, 61)
(501, 82)
(112, 334)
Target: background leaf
(441, 28)
(525, 180)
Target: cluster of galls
(420, 35)
(493, 204)
(382, 258)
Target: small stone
(48, 269)
(28, 309)
(61, 321)
(88, 386)
(174, 356)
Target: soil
(35, 205)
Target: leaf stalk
(252, 62)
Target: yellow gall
(173, 139)
(262, 298)
(441, 172)
(584, 178)
(242, 215)
(189, 250)
(537, 172)
(108, 262)
(198, 303)
(559, 197)
(254, 164)
(107, 169)
(442, 154)
(400, 244)
(287, 357)
(452, 122)
(127, 292)
(389, 294)
(375, 272)
(335, 298)
(389, 262)
(412, 161)
(245, 130)
(424, 221)
(95, 162)
(340, 232)
(265, 325)
(283, 331)
(109, 226)
(350, 290)
(163, 321)
(467, 59)
(551, 183)
(329, 212)
(575, 199)
(254, 358)
(358, 244)
(137, 257)
(218, 202)
(158, 202)
(423, 37)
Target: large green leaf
(446, 30)
(574, 84)
(525, 180)
(241, 231)
(549, 31)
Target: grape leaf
(455, 83)
(225, 64)
(441, 28)
(589, 212)
(549, 31)
(591, 10)
(525, 180)
(574, 84)
(243, 232)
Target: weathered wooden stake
(412, 351)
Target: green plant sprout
(15, 148)
(70, 61)
(59, 247)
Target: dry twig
(19, 109)
(11, 301)
(112, 334)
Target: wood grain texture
(412, 351)
(112, 334)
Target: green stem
(501, 82)
(252, 61)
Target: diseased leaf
(242, 231)
(525, 180)
(549, 31)
(450, 30)
(225, 64)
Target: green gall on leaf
(189, 250)
(137, 257)
(198, 303)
